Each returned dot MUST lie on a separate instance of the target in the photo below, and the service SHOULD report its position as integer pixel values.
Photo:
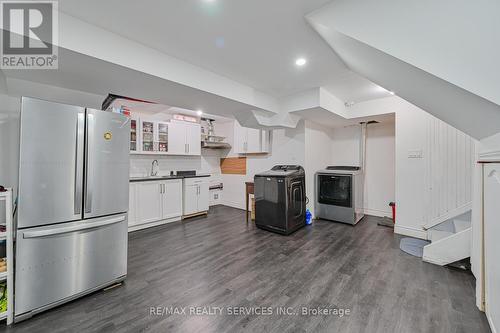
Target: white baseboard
(233, 204)
(409, 231)
(376, 212)
(153, 224)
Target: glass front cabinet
(148, 136)
(134, 142)
(162, 130)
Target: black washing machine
(280, 199)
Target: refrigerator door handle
(80, 132)
(88, 172)
(65, 230)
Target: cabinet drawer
(195, 181)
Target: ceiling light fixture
(392, 92)
(300, 62)
(199, 112)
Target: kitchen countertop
(153, 178)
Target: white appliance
(339, 194)
(71, 236)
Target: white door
(193, 139)
(132, 207)
(253, 140)
(190, 199)
(491, 243)
(149, 202)
(177, 139)
(172, 198)
(203, 197)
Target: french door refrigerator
(71, 236)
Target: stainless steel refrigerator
(71, 236)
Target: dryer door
(335, 189)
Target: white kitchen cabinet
(253, 140)
(154, 202)
(203, 197)
(193, 139)
(135, 143)
(149, 201)
(147, 134)
(196, 196)
(250, 140)
(184, 138)
(177, 139)
(161, 137)
(172, 199)
(190, 199)
(132, 207)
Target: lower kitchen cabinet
(172, 199)
(154, 202)
(149, 202)
(196, 196)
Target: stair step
(461, 224)
(435, 235)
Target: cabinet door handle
(164, 188)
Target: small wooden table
(249, 190)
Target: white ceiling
(329, 119)
(253, 42)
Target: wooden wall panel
(233, 165)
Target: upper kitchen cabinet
(184, 138)
(250, 140)
(152, 138)
(134, 138)
(149, 136)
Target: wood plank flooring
(221, 261)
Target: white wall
(288, 146)
(207, 163)
(438, 182)
(345, 146)
(318, 155)
(379, 188)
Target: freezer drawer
(58, 262)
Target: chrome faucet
(154, 172)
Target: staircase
(450, 240)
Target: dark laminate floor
(220, 261)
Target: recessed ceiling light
(300, 62)
(199, 112)
(391, 92)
